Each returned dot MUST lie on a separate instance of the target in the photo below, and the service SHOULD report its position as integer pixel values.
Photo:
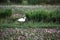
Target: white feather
(22, 19)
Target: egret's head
(24, 17)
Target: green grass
(43, 14)
(29, 24)
(9, 22)
(5, 13)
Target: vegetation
(36, 18)
(31, 2)
(29, 34)
(16, 1)
(43, 15)
(29, 24)
(50, 36)
(5, 13)
(34, 1)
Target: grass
(5, 13)
(43, 14)
(29, 24)
(10, 23)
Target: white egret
(22, 19)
